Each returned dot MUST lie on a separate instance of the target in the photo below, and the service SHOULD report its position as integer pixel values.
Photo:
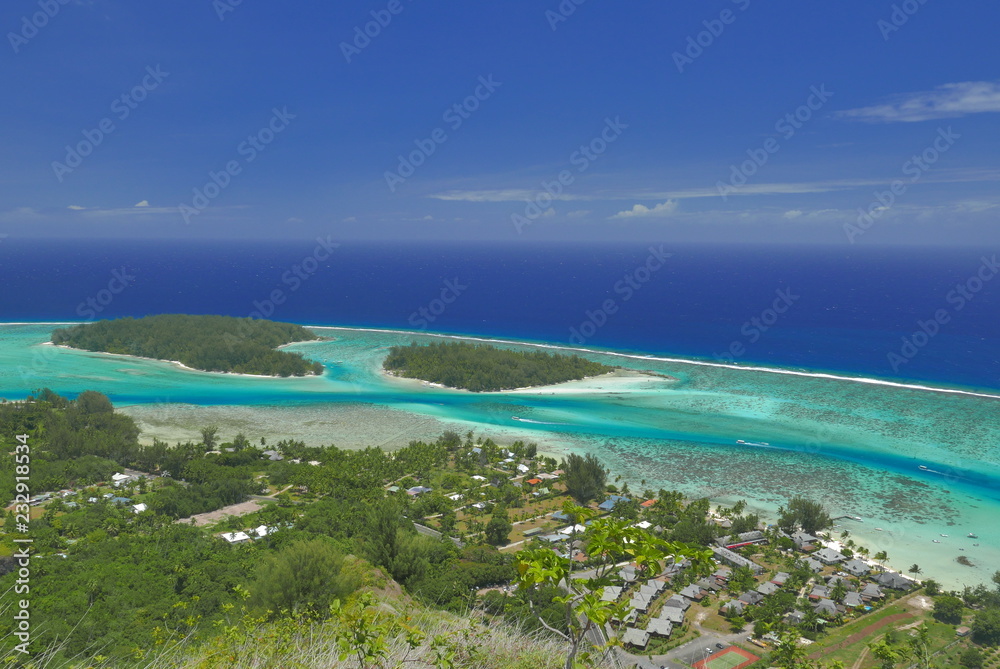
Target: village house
(829, 556)
(635, 637)
(659, 627)
(856, 567)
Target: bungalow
(751, 598)
(477, 477)
(742, 539)
(963, 631)
(767, 589)
(610, 502)
(734, 607)
(827, 607)
(648, 591)
(893, 580)
(640, 602)
(672, 614)
(856, 567)
(736, 560)
(547, 477)
(611, 593)
(477, 505)
(829, 556)
(852, 600)
(819, 592)
(553, 538)
(559, 515)
(523, 469)
(656, 584)
(139, 508)
(836, 578)
(235, 537)
(118, 480)
(417, 490)
(392, 488)
(456, 496)
(693, 592)
(710, 584)
(780, 578)
(813, 565)
(677, 602)
(534, 481)
(635, 637)
(628, 574)
(659, 627)
(871, 591)
(796, 617)
(643, 525)
(804, 541)
(648, 503)
(573, 529)
(273, 456)
(722, 573)
(120, 500)
(262, 531)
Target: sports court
(730, 658)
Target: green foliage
(482, 368)
(887, 653)
(801, 512)
(499, 527)
(972, 658)
(584, 610)
(948, 609)
(304, 577)
(585, 477)
(210, 343)
(986, 627)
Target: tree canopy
(585, 477)
(482, 368)
(208, 343)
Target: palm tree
(881, 558)
(915, 569)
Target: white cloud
(661, 210)
(144, 203)
(947, 101)
(76, 207)
(792, 214)
(498, 195)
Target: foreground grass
(384, 638)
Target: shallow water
(855, 445)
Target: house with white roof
(235, 537)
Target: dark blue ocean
(851, 310)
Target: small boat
(944, 535)
(923, 467)
(937, 541)
(740, 441)
(878, 529)
(514, 418)
(972, 536)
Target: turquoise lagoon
(855, 444)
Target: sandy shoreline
(620, 380)
(180, 365)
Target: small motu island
(484, 368)
(207, 343)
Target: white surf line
(682, 361)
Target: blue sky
(665, 121)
